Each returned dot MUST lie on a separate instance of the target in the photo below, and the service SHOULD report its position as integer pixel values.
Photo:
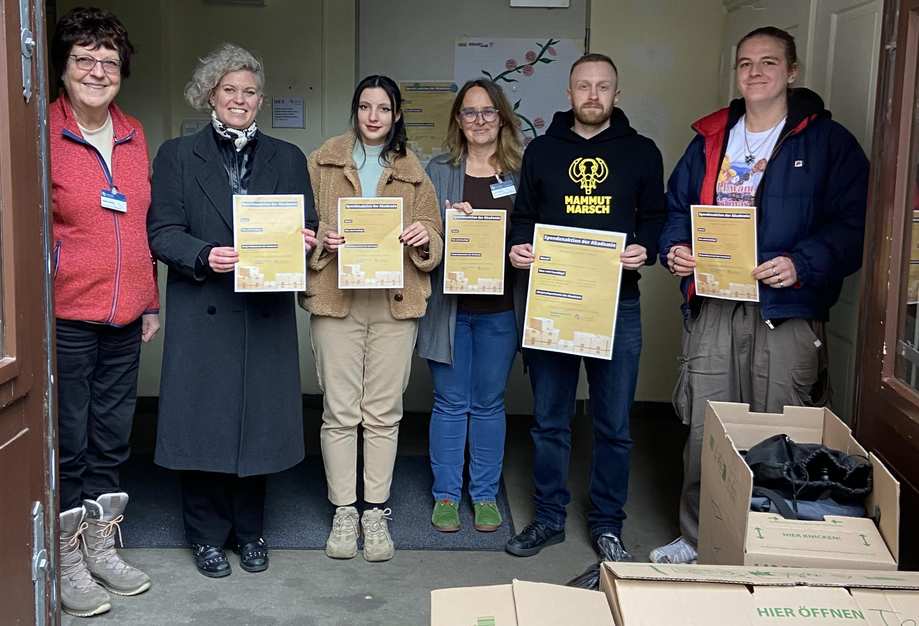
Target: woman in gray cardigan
(470, 341)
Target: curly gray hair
(213, 66)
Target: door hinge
(39, 562)
(27, 45)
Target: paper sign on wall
(288, 113)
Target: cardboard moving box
(731, 534)
(647, 594)
(521, 603)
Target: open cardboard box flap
(701, 595)
(728, 532)
(762, 576)
(521, 603)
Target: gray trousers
(729, 354)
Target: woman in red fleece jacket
(106, 299)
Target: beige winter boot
(80, 594)
(103, 516)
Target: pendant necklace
(750, 156)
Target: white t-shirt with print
(740, 174)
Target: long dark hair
(395, 141)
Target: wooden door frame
(27, 423)
(878, 391)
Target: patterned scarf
(239, 137)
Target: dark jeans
(469, 403)
(554, 378)
(96, 394)
(221, 508)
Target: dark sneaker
(211, 560)
(253, 556)
(611, 548)
(445, 517)
(487, 516)
(534, 538)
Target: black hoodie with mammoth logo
(613, 181)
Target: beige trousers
(363, 361)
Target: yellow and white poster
(266, 234)
(724, 244)
(474, 252)
(372, 255)
(573, 294)
(426, 108)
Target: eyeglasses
(87, 64)
(488, 114)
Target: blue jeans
(554, 378)
(469, 395)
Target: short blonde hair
(214, 66)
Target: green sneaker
(487, 517)
(445, 517)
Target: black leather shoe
(253, 556)
(211, 560)
(534, 538)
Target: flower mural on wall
(513, 71)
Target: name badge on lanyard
(114, 200)
(502, 188)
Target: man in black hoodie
(590, 170)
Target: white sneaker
(378, 545)
(677, 551)
(342, 542)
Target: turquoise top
(369, 169)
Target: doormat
(297, 513)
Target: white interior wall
(668, 59)
(308, 47)
(415, 40)
(668, 55)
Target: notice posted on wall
(288, 113)
(426, 107)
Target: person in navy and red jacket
(105, 299)
(777, 149)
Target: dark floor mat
(297, 513)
